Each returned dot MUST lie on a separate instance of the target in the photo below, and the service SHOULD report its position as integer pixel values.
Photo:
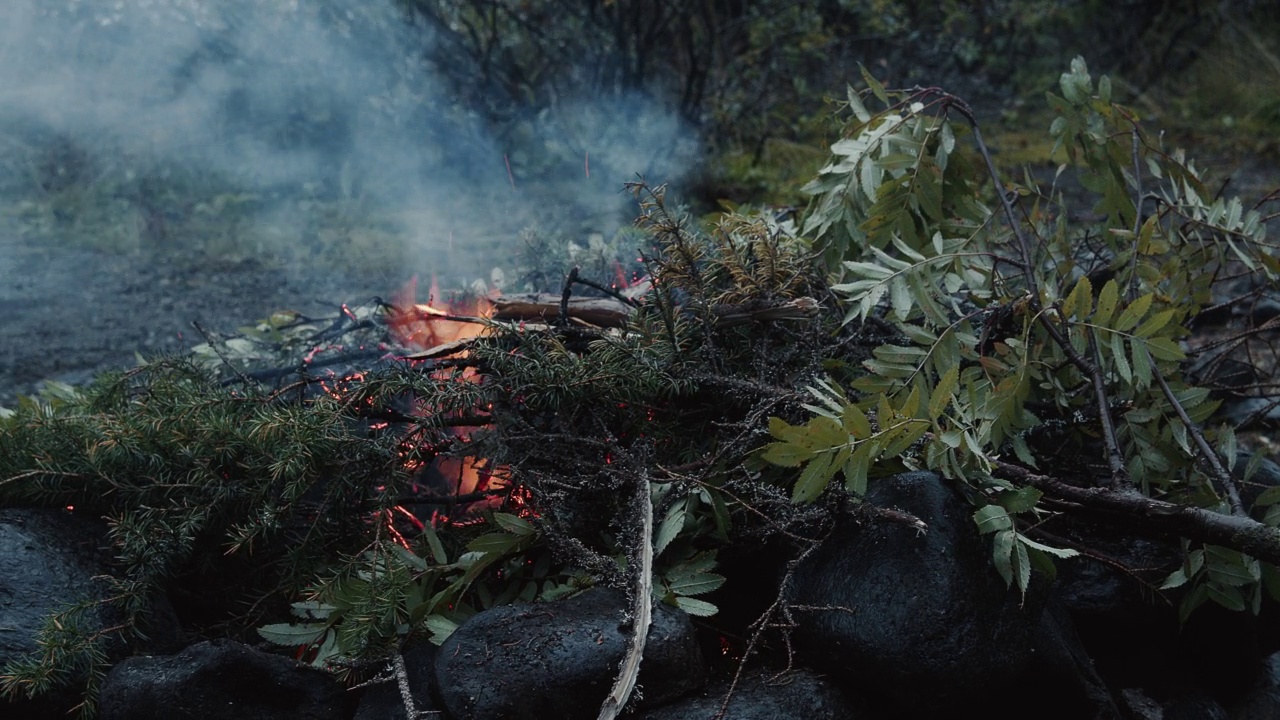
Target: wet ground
(70, 312)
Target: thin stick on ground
(406, 694)
(641, 608)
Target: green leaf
(408, 558)
(1063, 553)
(698, 584)
(991, 518)
(1164, 349)
(906, 434)
(292, 635)
(855, 422)
(813, 479)
(855, 104)
(1022, 565)
(1135, 311)
(695, 607)
(1023, 452)
(1020, 500)
(1176, 579)
(1227, 596)
(1141, 369)
(1080, 302)
(786, 454)
(876, 88)
(514, 524)
(433, 542)
(1270, 496)
(1002, 553)
(941, 396)
(1106, 303)
(1154, 323)
(1191, 601)
(856, 469)
(440, 628)
(493, 543)
(671, 525)
(1118, 358)
(1271, 580)
(783, 430)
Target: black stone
(560, 659)
(219, 680)
(766, 696)
(923, 616)
(383, 701)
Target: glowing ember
(475, 482)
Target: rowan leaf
(813, 479)
(1134, 312)
(1106, 303)
(1079, 302)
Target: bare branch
(641, 608)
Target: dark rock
(923, 616)
(1133, 632)
(1262, 701)
(49, 561)
(383, 701)
(219, 680)
(560, 659)
(801, 695)
(1193, 706)
(1061, 682)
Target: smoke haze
(288, 128)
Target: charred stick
(608, 291)
(563, 317)
(213, 345)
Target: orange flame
(425, 326)
(429, 325)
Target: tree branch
(641, 607)
(1133, 509)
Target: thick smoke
(297, 108)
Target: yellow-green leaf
(813, 479)
(1080, 302)
(856, 422)
(1136, 310)
(1154, 323)
(1106, 303)
(786, 454)
(1165, 349)
(941, 396)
